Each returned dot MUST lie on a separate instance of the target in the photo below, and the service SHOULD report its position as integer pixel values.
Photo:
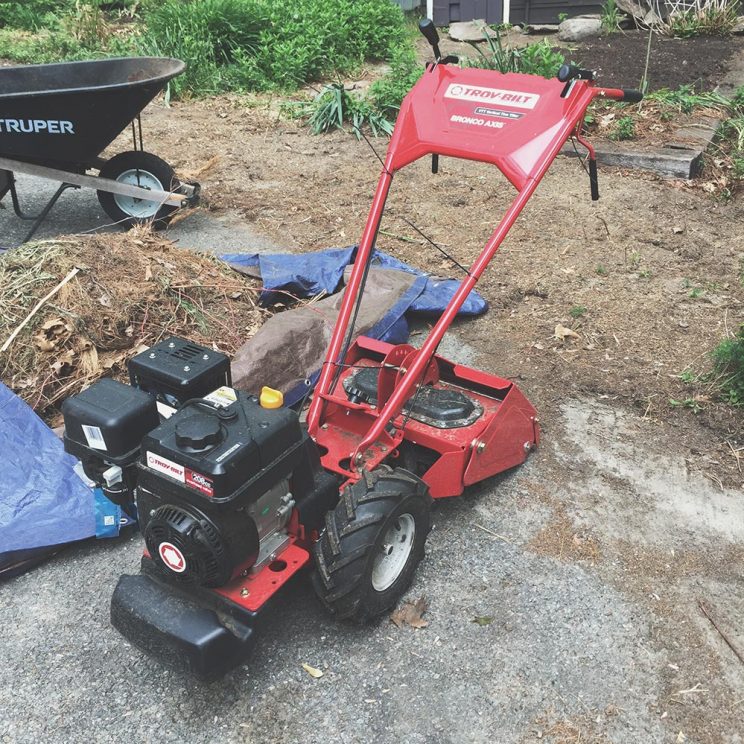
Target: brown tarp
(291, 345)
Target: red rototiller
(235, 495)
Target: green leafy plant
(601, 270)
(577, 311)
(692, 403)
(534, 59)
(335, 107)
(624, 129)
(610, 17)
(728, 366)
(685, 99)
(387, 93)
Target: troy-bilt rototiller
(235, 495)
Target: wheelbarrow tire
(151, 171)
(372, 543)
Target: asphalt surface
(560, 641)
(78, 211)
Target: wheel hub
(396, 547)
(140, 208)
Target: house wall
(449, 11)
(521, 11)
(547, 11)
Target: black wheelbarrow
(55, 120)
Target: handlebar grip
(429, 30)
(631, 95)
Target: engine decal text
(163, 465)
(513, 98)
(476, 121)
(200, 482)
(498, 113)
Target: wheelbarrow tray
(66, 114)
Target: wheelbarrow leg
(39, 218)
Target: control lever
(593, 180)
(566, 73)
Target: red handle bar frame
(425, 126)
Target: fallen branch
(37, 307)
(707, 614)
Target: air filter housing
(176, 370)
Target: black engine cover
(226, 458)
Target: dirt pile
(122, 294)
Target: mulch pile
(129, 292)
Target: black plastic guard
(176, 631)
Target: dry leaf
(54, 332)
(64, 362)
(312, 671)
(562, 333)
(148, 273)
(89, 359)
(410, 613)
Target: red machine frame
(519, 124)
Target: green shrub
(267, 44)
(387, 93)
(624, 129)
(728, 363)
(32, 15)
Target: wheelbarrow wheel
(138, 168)
(372, 543)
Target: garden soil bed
(620, 59)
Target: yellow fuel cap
(271, 398)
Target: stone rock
(541, 28)
(576, 29)
(738, 26)
(470, 30)
(635, 8)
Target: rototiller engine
(235, 494)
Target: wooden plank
(666, 161)
(93, 182)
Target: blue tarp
(309, 274)
(42, 501)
